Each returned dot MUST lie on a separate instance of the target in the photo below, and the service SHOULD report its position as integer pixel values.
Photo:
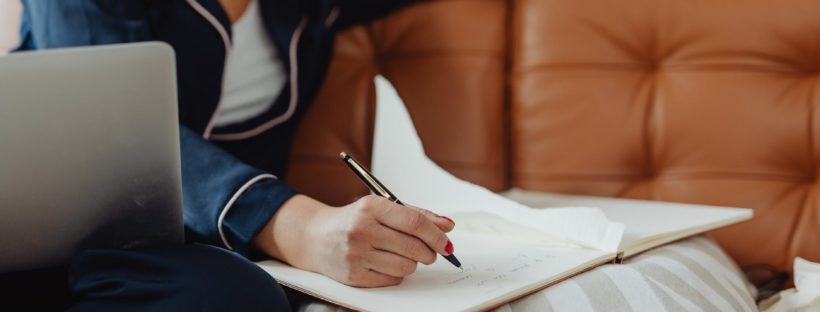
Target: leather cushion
(708, 102)
(447, 61)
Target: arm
(226, 202)
(371, 242)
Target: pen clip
(372, 183)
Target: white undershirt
(254, 73)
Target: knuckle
(394, 281)
(428, 257)
(413, 249)
(415, 222)
(357, 233)
(370, 202)
(426, 213)
(407, 268)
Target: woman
(247, 69)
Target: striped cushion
(690, 275)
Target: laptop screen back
(89, 153)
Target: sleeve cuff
(250, 209)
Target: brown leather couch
(711, 102)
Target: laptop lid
(89, 152)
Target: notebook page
(646, 221)
(495, 271)
(400, 163)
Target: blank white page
(648, 223)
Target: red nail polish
(449, 248)
(448, 219)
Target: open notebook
(507, 249)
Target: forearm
(226, 202)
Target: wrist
(290, 232)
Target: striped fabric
(691, 275)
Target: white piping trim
(331, 18)
(294, 95)
(226, 39)
(233, 200)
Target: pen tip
(343, 155)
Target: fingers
(404, 245)
(389, 263)
(412, 222)
(375, 242)
(443, 223)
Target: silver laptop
(89, 153)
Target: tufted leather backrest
(702, 101)
(710, 102)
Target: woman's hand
(369, 243)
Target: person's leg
(180, 278)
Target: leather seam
(616, 67)
(670, 176)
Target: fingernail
(448, 219)
(449, 248)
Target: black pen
(379, 189)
